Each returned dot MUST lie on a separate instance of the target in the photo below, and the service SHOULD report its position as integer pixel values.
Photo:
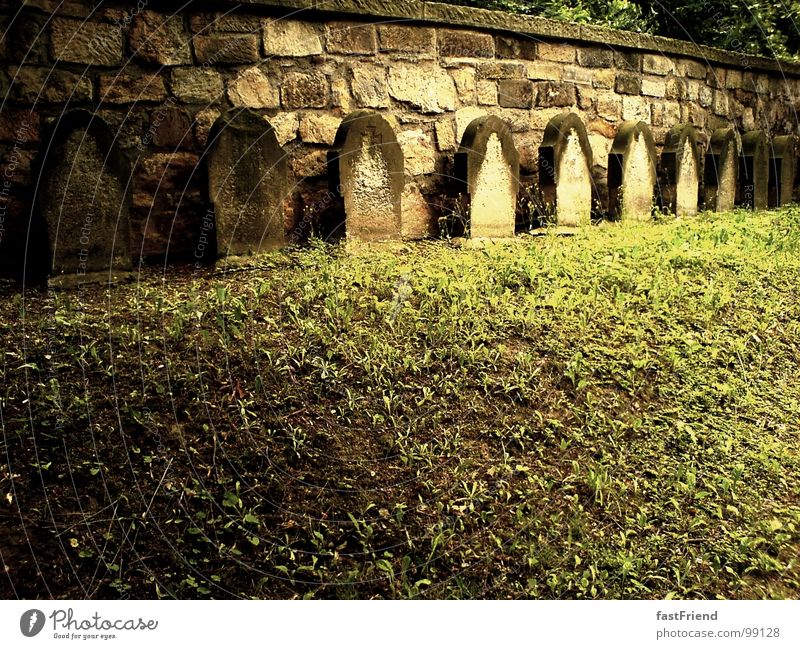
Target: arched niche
(366, 168)
(565, 163)
(782, 170)
(632, 172)
(83, 199)
(679, 171)
(487, 166)
(721, 171)
(753, 171)
(247, 184)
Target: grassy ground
(610, 415)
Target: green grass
(609, 415)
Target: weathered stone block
(654, 87)
(90, 43)
(319, 128)
(501, 70)
(550, 94)
(463, 43)
(46, 85)
(170, 128)
(679, 171)
(559, 52)
(196, 85)
(541, 117)
(131, 87)
(628, 61)
(24, 39)
(577, 75)
(565, 163)
(429, 89)
(691, 68)
(228, 49)
(705, 96)
(445, 135)
(369, 86)
(487, 163)
(635, 109)
(665, 113)
(344, 37)
(604, 78)
(721, 171)
(286, 126)
(286, 37)
(15, 169)
(464, 79)
(609, 107)
(721, 104)
(366, 167)
(515, 47)
(247, 184)
(340, 94)
(251, 88)
(406, 39)
(676, 88)
(309, 164)
(632, 172)
(528, 148)
(733, 79)
(203, 122)
(544, 71)
(20, 126)
(487, 93)
(716, 77)
(517, 119)
(227, 22)
(628, 84)
(694, 114)
(595, 57)
(748, 81)
(83, 198)
(601, 146)
(159, 38)
(602, 127)
(160, 170)
(304, 90)
(657, 64)
(418, 151)
(517, 93)
(417, 219)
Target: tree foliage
(746, 26)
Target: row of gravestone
(84, 197)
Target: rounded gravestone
(632, 172)
(565, 163)
(487, 165)
(83, 199)
(247, 183)
(753, 171)
(721, 171)
(679, 177)
(366, 168)
(782, 170)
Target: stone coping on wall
(533, 26)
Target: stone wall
(160, 76)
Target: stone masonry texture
(159, 79)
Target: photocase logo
(31, 622)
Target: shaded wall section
(160, 76)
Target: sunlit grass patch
(611, 414)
